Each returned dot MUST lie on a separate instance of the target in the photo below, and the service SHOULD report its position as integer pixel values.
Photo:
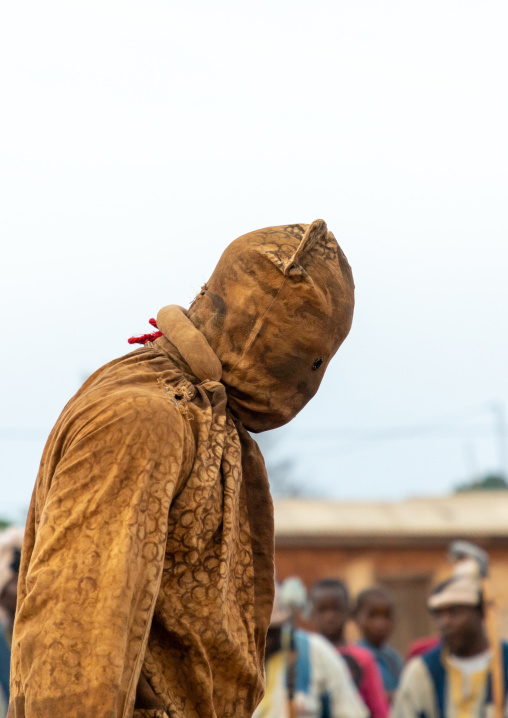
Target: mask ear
(316, 232)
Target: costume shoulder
(134, 403)
(132, 384)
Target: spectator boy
(322, 685)
(375, 617)
(330, 610)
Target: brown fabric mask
(275, 310)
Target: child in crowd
(330, 610)
(375, 617)
(320, 680)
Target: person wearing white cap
(322, 684)
(452, 680)
(11, 541)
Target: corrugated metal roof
(482, 513)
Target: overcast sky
(140, 138)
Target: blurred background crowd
(363, 591)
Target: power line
(446, 426)
(14, 433)
(395, 433)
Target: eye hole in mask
(317, 364)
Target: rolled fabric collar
(461, 591)
(192, 345)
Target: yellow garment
(466, 691)
(146, 581)
(276, 666)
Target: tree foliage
(490, 482)
(279, 466)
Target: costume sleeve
(95, 570)
(372, 690)
(415, 694)
(332, 673)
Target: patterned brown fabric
(279, 300)
(146, 581)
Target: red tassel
(144, 338)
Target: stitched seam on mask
(257, 327)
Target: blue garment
(437, 670)
(302, 647)
(390, 663)
(303, 671)
(5, 666)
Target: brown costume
(148, 557)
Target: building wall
(407, 572)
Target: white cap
(460, 591)
(280, 613)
